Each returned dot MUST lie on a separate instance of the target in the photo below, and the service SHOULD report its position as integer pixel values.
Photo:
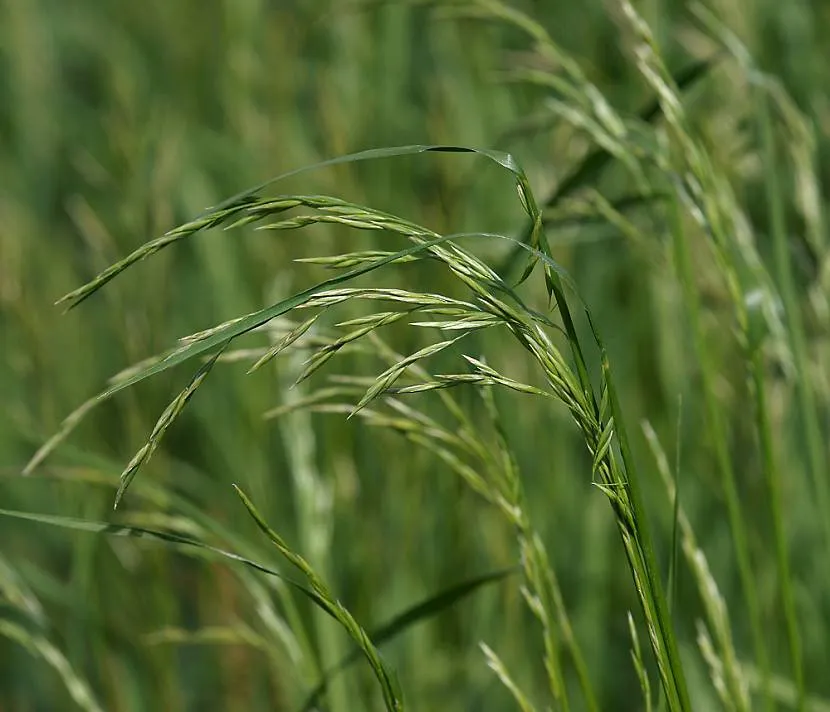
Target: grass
(444, 381)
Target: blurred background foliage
(120, 120)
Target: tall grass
(421, 367)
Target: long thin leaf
(392, 697)
(218, 214)
(420, 612)
(39, 646)
(166, 538)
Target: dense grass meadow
(517, 397)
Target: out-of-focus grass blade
(674, 571)
(237, 634)
(594, 163)
(566, 218)
(42, 648)
(495, 663)
(783, 690)
(15, 591)
(69, 423)
(166, 538)
(411, 616)
(639, 664)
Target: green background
(119, 121)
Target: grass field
(521, 403)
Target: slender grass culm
(424, 350)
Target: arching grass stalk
(619, 480)
(599, 419)
(772, 475)
(487, 311)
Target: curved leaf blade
(413, 615)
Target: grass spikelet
(385, 380)
(639, 665)
(498, 667)
(284, 343)
(162, 425)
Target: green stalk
(808, 410)
(541, 579)
(717, 436)
(641, 556)
(577, 658)
(773, 478)
(536, 566)
(644, 541)
(313, 508)
(650, 575)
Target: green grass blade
(505, 160)
(418, 613)
(644, 540)
(774, 483)
(390, 688)
(589, 169)
(227, 209)
(40, 647)
(674, 572)
(495, 663)
(167, 538)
